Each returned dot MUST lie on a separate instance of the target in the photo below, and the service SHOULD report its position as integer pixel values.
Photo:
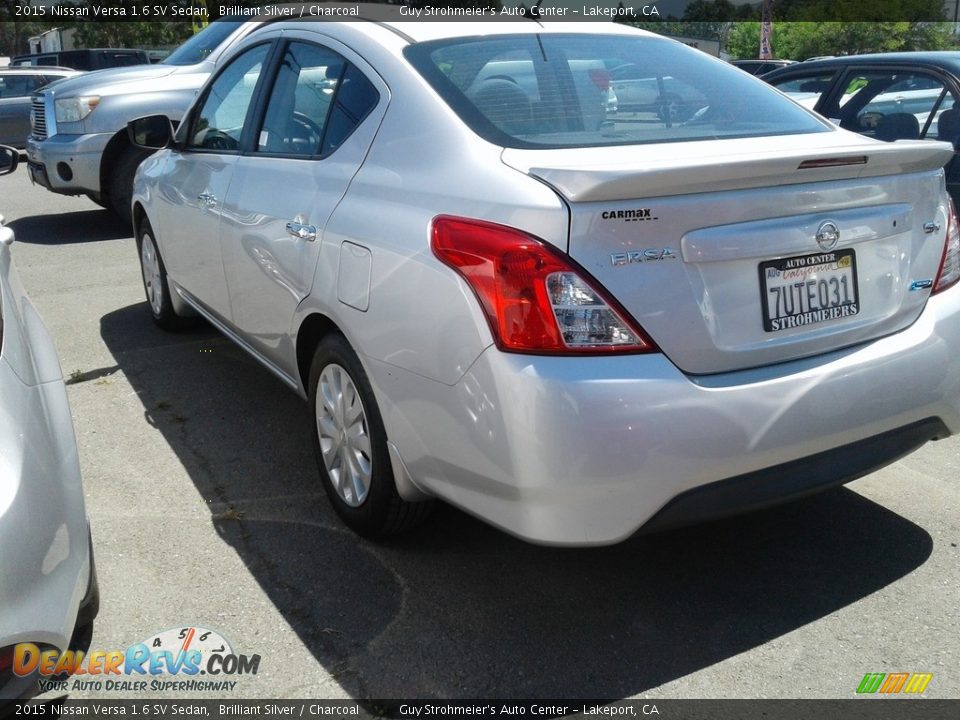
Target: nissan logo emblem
(828, 235)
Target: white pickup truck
(78, 143)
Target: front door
(195, 185)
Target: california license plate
(808, 289)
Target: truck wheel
(120, 191)
(101, 201)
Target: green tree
(801, 40)
(859, 10)
(135, 34)
(132, 33)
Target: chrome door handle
(206, 199)
(301, 231)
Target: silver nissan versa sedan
(48, 585)
(497, 289)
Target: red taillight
(535, 298)
(949, 272)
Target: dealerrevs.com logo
(894, 683)
(180, 659)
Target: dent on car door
(318, 120)
(194, 189)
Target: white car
(572, 329)
(48, 584)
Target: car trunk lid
(745, 252)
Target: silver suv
(79, 142)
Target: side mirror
(9, 159)
(153, 132)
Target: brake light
(536, 299)
(949, 272)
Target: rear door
(313, 132)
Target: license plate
(808, 289)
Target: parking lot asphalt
(206, 512)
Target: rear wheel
(351, 446)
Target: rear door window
(582, 90)
(892, 104)
(316, 102)
(806, 89)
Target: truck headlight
(75, 109)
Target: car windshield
(595, 90)
(200, 46)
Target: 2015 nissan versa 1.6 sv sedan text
(498, 289)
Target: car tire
(350, 444)
(155, 284)
(90, 605)
(99, 200)
(120, 191)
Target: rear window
(595, 90)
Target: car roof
(38, 69)
(425, 31)
(414, 31)
(944, 59)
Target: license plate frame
(803, 290)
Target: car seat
(898, 126)
(948, 125)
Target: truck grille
(38, 118)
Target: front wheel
(351, 446)
(155, 283)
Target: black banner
(632, 11)
(853, 709)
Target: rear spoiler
(645, 171)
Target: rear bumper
(70, 163)
(794, 480)
(586, 451)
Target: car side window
(356, 97)
(893, 104)
(219, 123)
(317, 100)
(18, 85)
(807, 89)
